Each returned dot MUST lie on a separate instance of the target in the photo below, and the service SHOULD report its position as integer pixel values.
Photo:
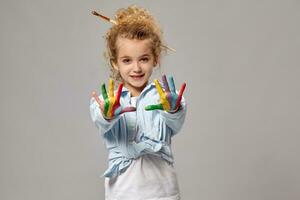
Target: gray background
(240, 60)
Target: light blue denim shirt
(154, 130)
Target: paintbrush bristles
(99, 15)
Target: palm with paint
(110, 105)
(169, 99)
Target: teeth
(137, 76)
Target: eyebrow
(146, 54)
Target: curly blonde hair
(133, 23)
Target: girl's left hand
(169, 99)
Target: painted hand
(110, 105)
(169, 99)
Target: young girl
(138, 120)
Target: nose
(136, 67)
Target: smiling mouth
(137, 76)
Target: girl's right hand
(110, 105)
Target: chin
(138, 84)
(141, 85)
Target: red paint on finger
(180, 95)
(118, 96)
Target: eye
(126, 60)
(145, 59)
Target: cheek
(149, 69)
(123, 70)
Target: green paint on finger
(154, 107)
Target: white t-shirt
(149, 177)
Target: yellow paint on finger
(163, 98)
(112, 101)
(165, 104)
(159, 89)
(111, 88)
(111, 98)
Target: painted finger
(94, 94)
(111, 98)
(154, 107)
(180, 94)
(159, 89)
(106, 100)
(109, 112)
(103, 90)
(117, 98)
(163, 98)
(166, 87)
(128, 109)
(174, 98)
(165, 82)
(111, 88)
(100, 103)
(118, 95)
(169, 97)
(172, 84)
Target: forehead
(133, 47)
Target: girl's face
(135, 62)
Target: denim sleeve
(175, 120)
(101, 123)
